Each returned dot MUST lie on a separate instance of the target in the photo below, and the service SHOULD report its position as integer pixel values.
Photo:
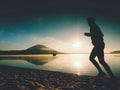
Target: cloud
(7, 45)
(43, 39)
(3, 42)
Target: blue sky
(57, 33)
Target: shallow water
(69, 63)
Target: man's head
(91, 20)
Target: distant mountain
(116, 52)
(37, 49)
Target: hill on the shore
(37, 49)
(116, 52)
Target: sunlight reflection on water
(69, 63)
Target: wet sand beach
(13, 78)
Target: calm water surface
(69, 63)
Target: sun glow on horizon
(77, 45)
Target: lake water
(68, 63)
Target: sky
(58, 24)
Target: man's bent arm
(87, 34)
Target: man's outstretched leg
(92, 59)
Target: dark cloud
(43, 7)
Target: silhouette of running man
(98, 49)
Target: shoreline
(16, 78)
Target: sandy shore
(12, 78)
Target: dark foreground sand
(12, 78)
